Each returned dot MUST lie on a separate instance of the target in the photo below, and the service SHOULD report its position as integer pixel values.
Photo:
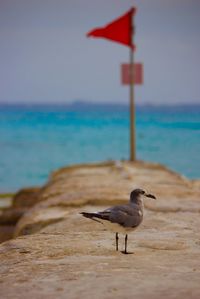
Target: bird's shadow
(125, 252)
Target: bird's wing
(125, 215)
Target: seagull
(122, 218)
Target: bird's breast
(116, 227)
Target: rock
(60, 254)
(108, 184)
(6, 232)
(26, 197)
(13, 208)
(11, 215)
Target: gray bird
(122, 218)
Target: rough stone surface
(13, 208)
(6, 232)
(60, 254)
(26, 197)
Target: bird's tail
(92, 216)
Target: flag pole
(132, 106)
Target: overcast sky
(45, 55)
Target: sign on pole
(137, 71)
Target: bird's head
(138, 194)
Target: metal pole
(132, 106)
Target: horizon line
(91, 103)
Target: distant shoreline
(85, 104)
(6, 200)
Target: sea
(38, 139)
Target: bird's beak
(150, 195)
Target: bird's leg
(125, 249)
(126, 239)
(117, 238)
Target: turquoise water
(37, 140)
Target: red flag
(120, 30)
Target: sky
(45, 56)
